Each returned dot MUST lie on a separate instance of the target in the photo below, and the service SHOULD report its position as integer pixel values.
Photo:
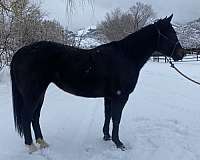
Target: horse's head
(167, 41)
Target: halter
(169, 60)
(162, 35)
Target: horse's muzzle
(179, 54)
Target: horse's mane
(139, 34)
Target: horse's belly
(83, 89)
(92, 93)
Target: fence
(193, 56)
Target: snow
(189, 34)
(86, 30)
(4, 75)
(87, 37)
(161, 121)
(88, 42)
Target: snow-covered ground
(161, 121)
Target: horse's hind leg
(36, 124)
(107, 105)
(31, 100)
(27, 114)
(23, 108)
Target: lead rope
(169, 60)
(181, 73)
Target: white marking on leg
(31, 148)
(42, 143)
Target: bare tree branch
(3, 6)
(119, 24)
(24, 24)
(71, 4)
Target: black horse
(110, 71)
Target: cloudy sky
(83, 16)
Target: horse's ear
(169, 18)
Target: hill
(188, 34)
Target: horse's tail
(17, 103)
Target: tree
(141, 13)
(27, 20)
(22, 23)
(71, 4)
(119, 24)
(52, 31)
(5, 29)
(6, 4)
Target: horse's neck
(139, 46)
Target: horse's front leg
(117, 105)
(107, 105)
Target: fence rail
(187, 58)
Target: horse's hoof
(122, 147)
(42, 143)
(106, 138)
(31, 148)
